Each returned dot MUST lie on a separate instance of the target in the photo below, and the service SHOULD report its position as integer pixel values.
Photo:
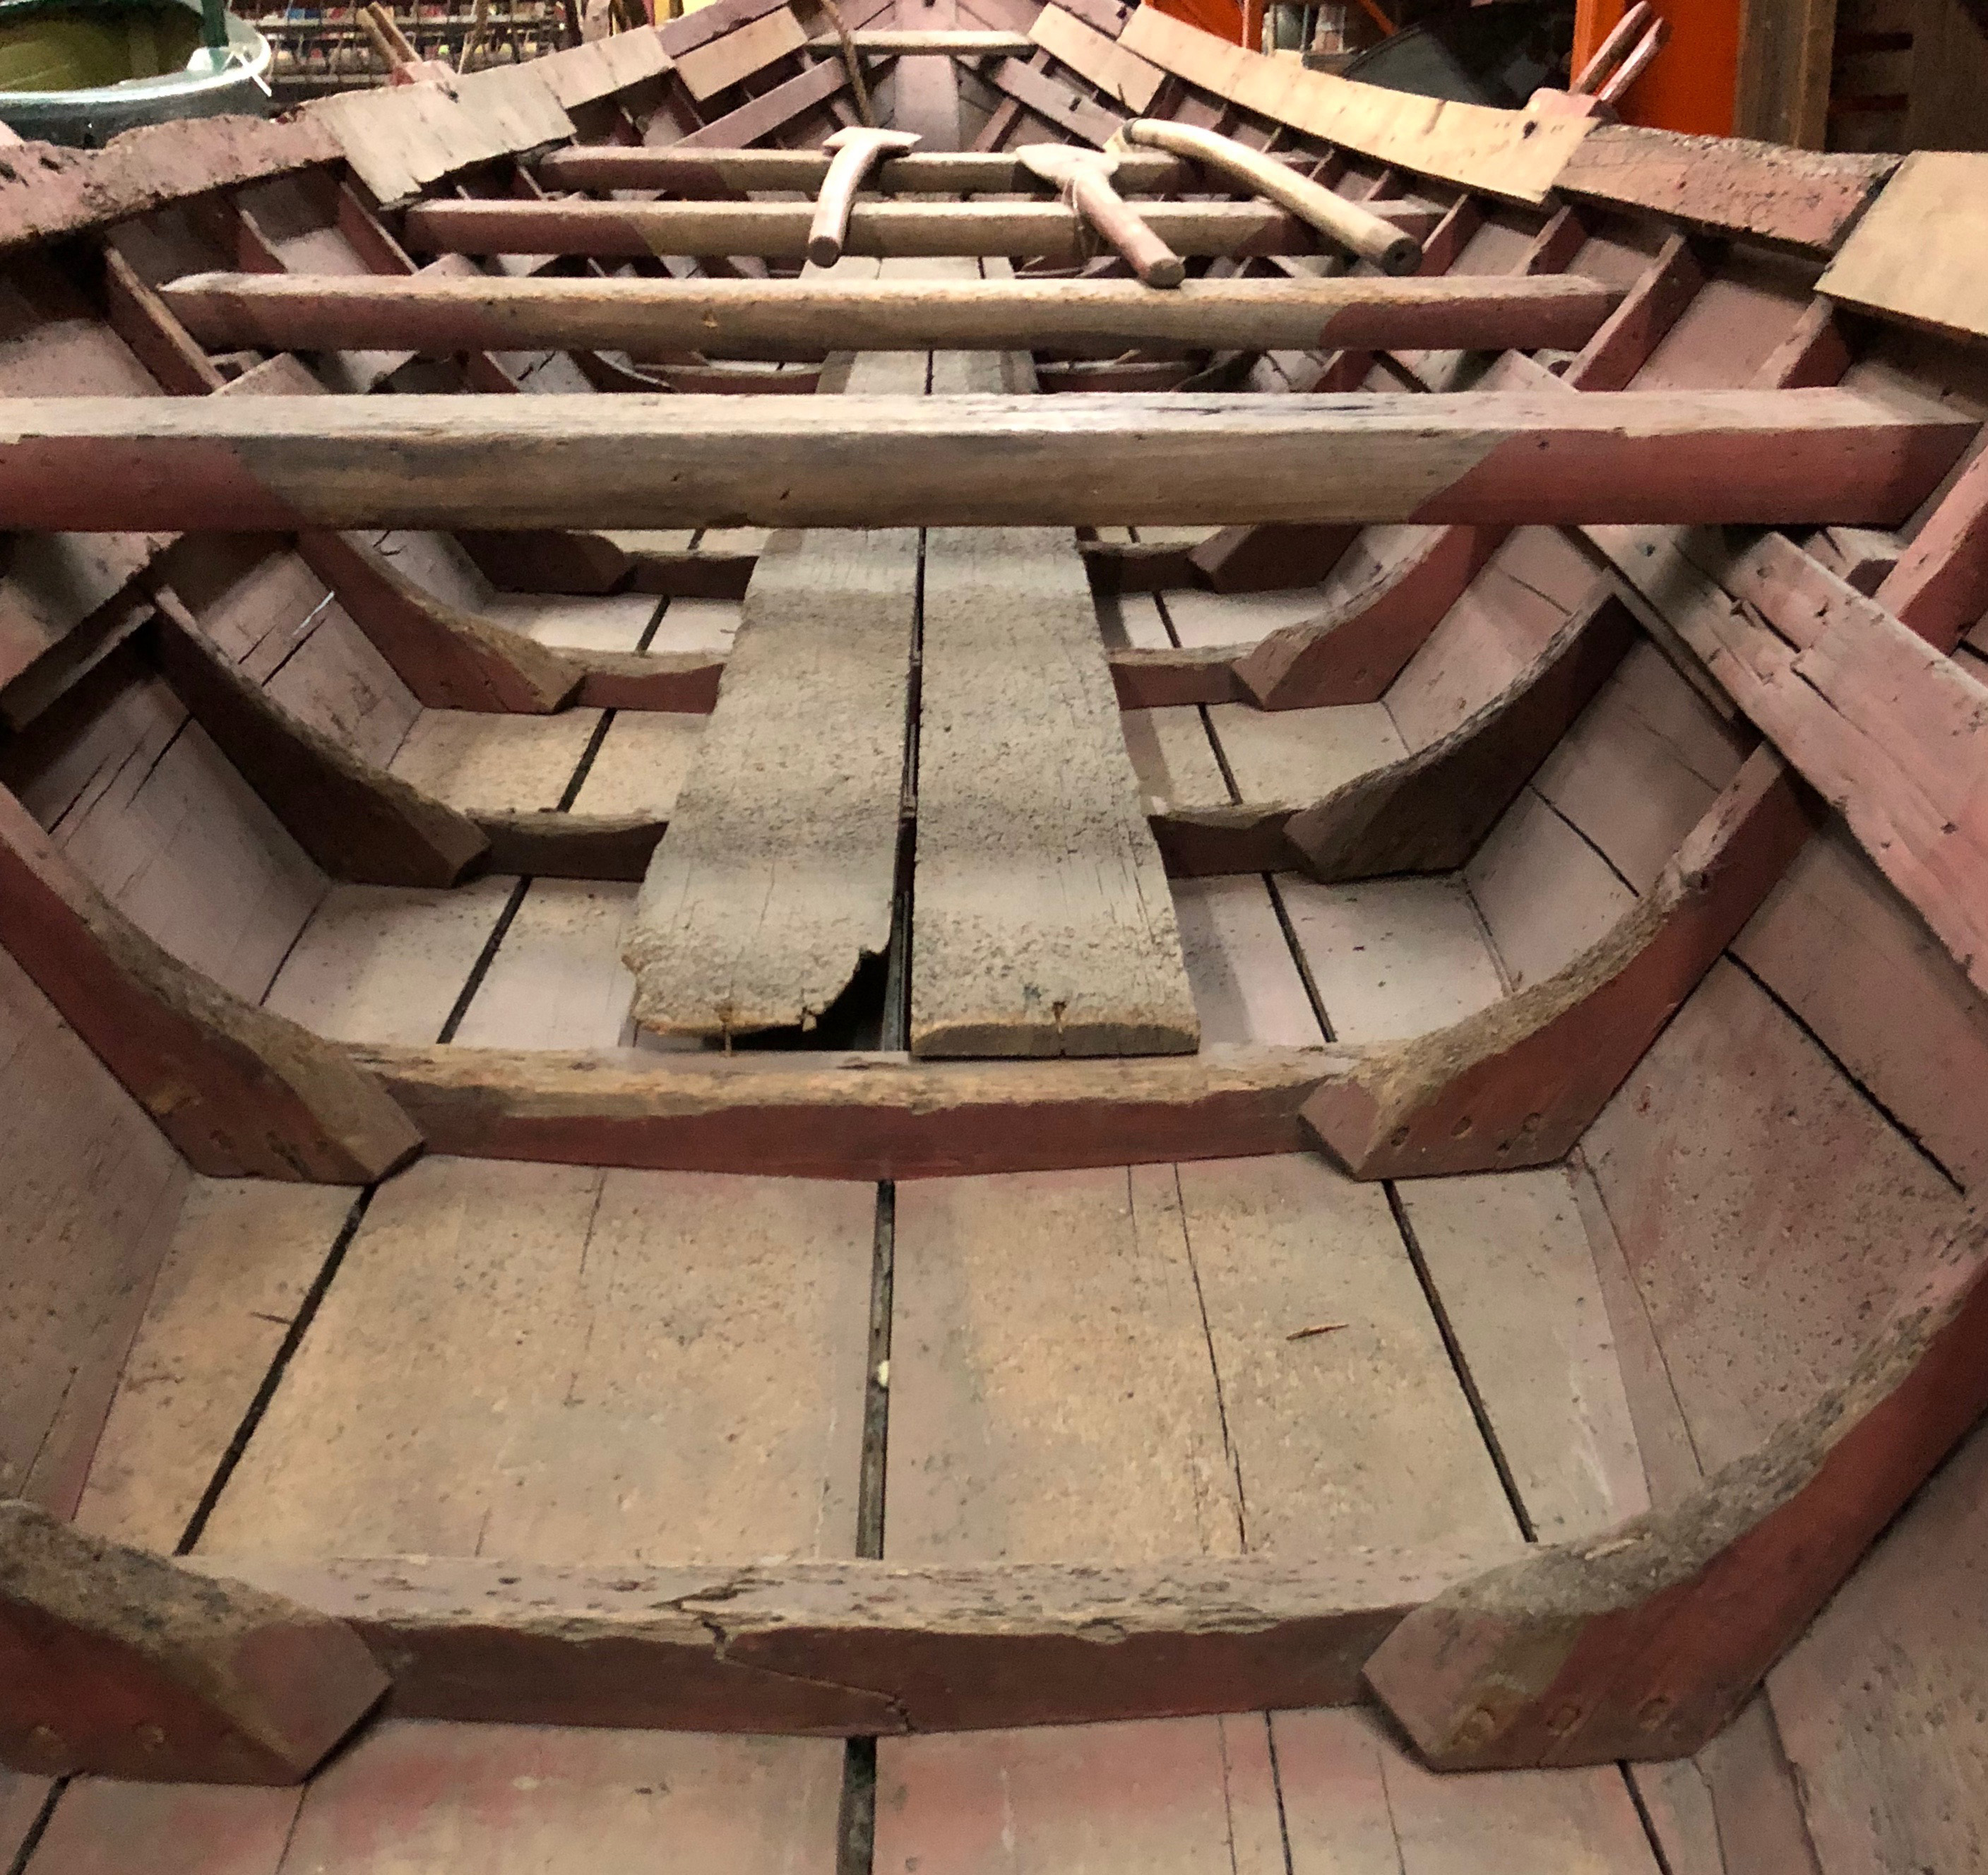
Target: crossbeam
(721, 173)
(1775, 457)
(778, 230)
(801, 319)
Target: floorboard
(557, 980)
(1247, 985)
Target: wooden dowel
(889, 43)
(278, 464)
(1351, 225)
(771, 319)
(778, 230)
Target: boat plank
(483, 762)
(1511, 1261)
(186, 1829)
(243, 1255)
(1918, 254)
(1545, 895)
(1043, 922)
(557, 1403)
(1736, 1155)
(1247, 987)
(990, 1457)
(558, 980)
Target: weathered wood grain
(1043, 922)
(279, 463)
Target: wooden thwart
(802, 319)
(1044, 924)
(712, 172)
(778, 230)
(279, 464)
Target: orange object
(1690, 87)
(1225, 19)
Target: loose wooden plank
(775, 318)
(1771, 457)
(1917, 255)
(238, 1090)
(832, 1647)
(716, 1415)
(1641, 1645)
(1044, 925)
(1797, 199)
(861, 1116)
(772, 110)
(776, 879)
(122, 1663)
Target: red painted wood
(1939, 587)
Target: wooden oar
(1086, 175)
(857, 151)
(1334, 216)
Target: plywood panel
(564, 1365)
(1052, 1409)
(387, 963)
(1393, 957)
(558, 981)
(1766, 1209)
(243, 1255)
(1508, 1257)
(1247, 985)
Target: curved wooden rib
(858, 1116)
(121, 1663)
(1518, 1083)
(1642, 1643)
(243, 1093)
(1429, 811)
(837, 1648)
(355, 820)
(453, 660)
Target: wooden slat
(1044, 922)
(721, 63)
(772, 110)
(1057, 102)
(1781, 94)
(776, 879)
(278, 464)
(802, 318)
(1123, 76)
(1922, 253)
(778, 230)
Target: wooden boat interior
(895, 1057)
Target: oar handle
(1353, 227)
(1114, 218)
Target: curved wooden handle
(857, 153)
(1106, 211)
(1346, 222)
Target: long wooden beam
(279, 463)
(801, 319)
(706, 174)
(778, 230)
(862, 1117)
(837, 1648)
